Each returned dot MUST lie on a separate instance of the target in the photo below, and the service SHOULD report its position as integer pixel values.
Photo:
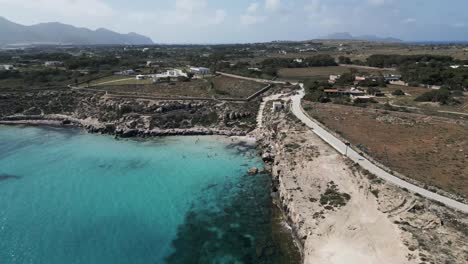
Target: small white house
(172, 75)
(278, 106)
(126, 72)
(6, 67)
(199, 70)
(53, 63)
(333, 78)
(140, 77)
(298, 60)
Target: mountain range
(61, 34)
(348, 36)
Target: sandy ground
(356, 233)
(379, 224)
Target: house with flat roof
(278, 106)
(6, 67)
(170, 75)
(53, 63)
(344, 92)
(199, 70)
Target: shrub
(398, 92)
(332, 197)
(442, 96)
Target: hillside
(62, 34)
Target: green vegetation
(387, 61)
(398, 92)
(425, 69)
(344, 60)
(442, 96)
(268, 68)
(332, 197)
(314, 91)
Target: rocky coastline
(117, 130)
(339, 212)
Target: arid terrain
(342, 214)
(431, 150)
(121, 112)
(219, 86)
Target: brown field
(413, 92)
(319, 73)
(223, 87)
(313, 72)
(432, 150)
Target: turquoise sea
(71, 197)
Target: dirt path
(358, 233)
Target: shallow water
(70, 197)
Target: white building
(298, 60)
(140, 77)
(53, 63)
(6, 67)
(171, 75)
(199, 70)
(126, 72)
(333, 78)
(278, 106)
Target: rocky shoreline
(93, 126)
(340, 213)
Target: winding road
(341, 147)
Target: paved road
(249, 78)
(366, 164)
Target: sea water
(71, 197)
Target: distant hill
(348, 36)
(62, 34)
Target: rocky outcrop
(127, 117)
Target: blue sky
(223, 21)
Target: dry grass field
(413, 92)
(432, 150)
(220, 87)
(320, 73)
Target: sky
(242, 21)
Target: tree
(373, 91)
(398, 92)
(344, 60)
(346, 78)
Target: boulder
(253, 171)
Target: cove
(72, 197)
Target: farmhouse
(6, 67)
(392, 77)
(126, 72)
(278, 106)
(333, 78)
(344, 92)
(170, 75)
(199, 70)
(53, 63)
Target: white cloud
(220, 16)
(409, 20)
(314, 6)
(190, 6)
(62, 8)
(376, 2)
(253, 8)
(273, 5)
(248, 20)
